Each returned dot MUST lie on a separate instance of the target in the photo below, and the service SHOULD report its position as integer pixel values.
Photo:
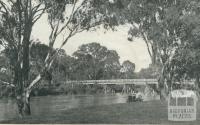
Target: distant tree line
(90, 62)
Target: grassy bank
(134, 113)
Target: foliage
(94, 61)
(63, 67)
(169, 29)
(152, 72)
(127, 70)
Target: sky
(135, 51)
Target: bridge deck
(117, 81)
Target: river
(45, 105)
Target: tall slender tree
(66, 18)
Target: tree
(89, 60)
(63, 67)
(17, 20)
(149, 72)
(96, 62)
(162, 25)
(128, 69)
(186, 58)
(111, 65)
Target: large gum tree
(163, 25)
(66, 18)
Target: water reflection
(7, 109)
(45, 105)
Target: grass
(153, 112)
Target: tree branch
(148, 47)
(7, 83)
(35, 81)
(34, 9)
(71, 15)
(54, 33)
(35, 19)
(4, 6)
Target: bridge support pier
(108, 89)
(127, 89)
(72, 85)
(105, 89)
(123, 89)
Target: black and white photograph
(100, 62)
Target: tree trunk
(154, 54)
(197, 83)
(23, 103)
(23, 96)
(161, 88)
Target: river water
(45, 105)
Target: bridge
(116, 82)
(128, 84)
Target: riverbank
(152, 112)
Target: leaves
(97, 62)
(127, 70)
